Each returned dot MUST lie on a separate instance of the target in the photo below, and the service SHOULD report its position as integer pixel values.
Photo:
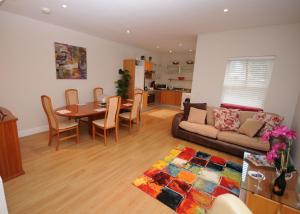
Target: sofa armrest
(175, 124)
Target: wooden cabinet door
(260, 205)
(148, 66)
(170, 99)
(288, 210)
(177, 98)
(163, 95)
(129, 64)
(158, 97)
(145, 99)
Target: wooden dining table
(90, 110)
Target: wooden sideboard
(10, 156)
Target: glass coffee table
(264, 187)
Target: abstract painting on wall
(70, 61)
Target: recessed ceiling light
(64, 6)
(128, 31)
(190, 50)
(157, 46)
(226, 10)
(45, 10)
(170, 51)
(180, 44)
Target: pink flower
(280, 131)
(291, 135)
(279, 146)
(271, 155)
(266, 136)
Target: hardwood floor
(93, 178)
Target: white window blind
(247, 80)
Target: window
(247, 80)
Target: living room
(241, 55)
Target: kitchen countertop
(184, 90)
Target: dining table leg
(90, 124)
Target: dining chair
(97, 93)
(139, 90)
(133, 115)
(72, 99)
(56, 128)
(111, 119)
(71, 96)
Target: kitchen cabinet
(137, 71)
(145, 99)
(170, 97)
(148, 66)
(129, 65)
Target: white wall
(296, 127)
(28, 67)
(214, 49)
(167, 59)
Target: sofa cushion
(250, 127)
(227, 119)
(202, 129)
(188, 105)
(197, 115)
(210, 118)
(244, 115)
(243, 140)
(271, 121)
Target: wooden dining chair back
(111, 119)
(56, 127)
(113, 109)
(139, 90)
(136, 107)
(71, 97)
(47, 106)
(97, 93)
(134, 114)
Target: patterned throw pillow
(271, 121)
(227, 119)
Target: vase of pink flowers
(281, 139)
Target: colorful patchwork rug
(188, 181)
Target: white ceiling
(158, 22)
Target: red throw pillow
(271, 121)
(227, 119)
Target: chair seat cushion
(100, 123)
(67, 124)
(243, 140)
(205, 130)
(84, 119)
(125, 115)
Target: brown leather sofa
(228, 147)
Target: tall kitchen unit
(137, 70)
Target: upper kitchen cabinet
(148, 66)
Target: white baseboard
(27, 132)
